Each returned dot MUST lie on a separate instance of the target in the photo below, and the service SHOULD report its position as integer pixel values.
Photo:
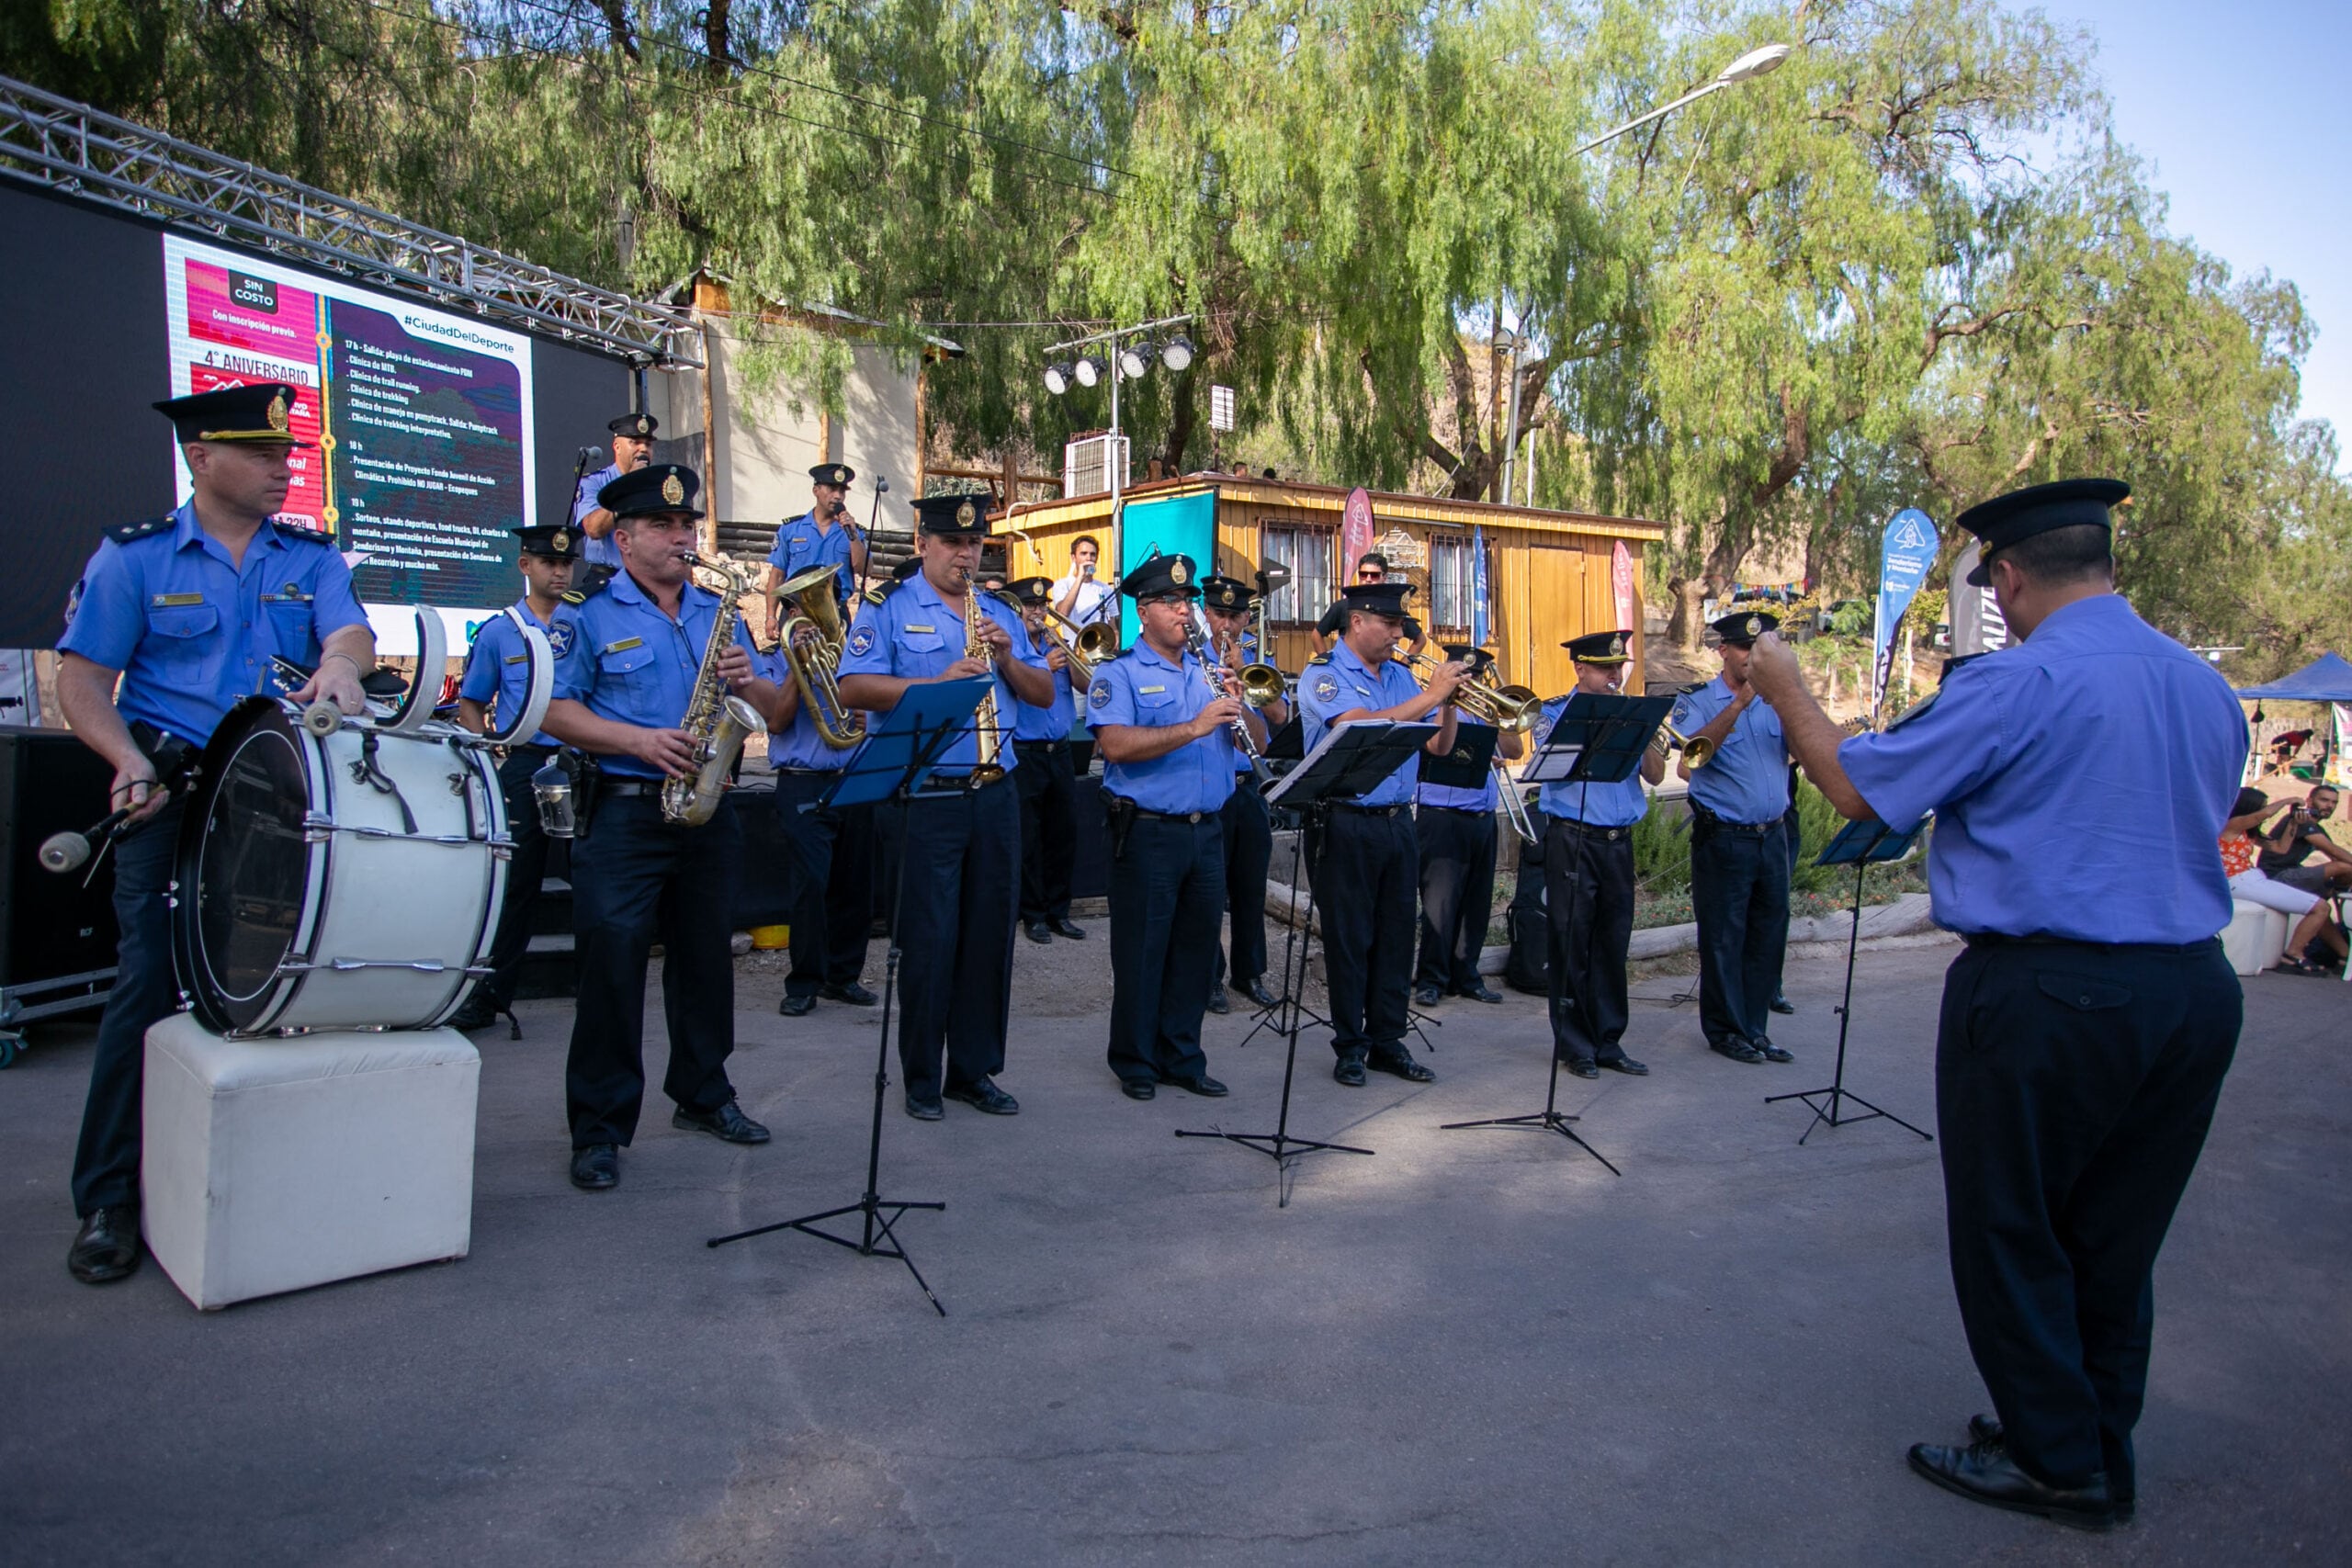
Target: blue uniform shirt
(1247, 654)
(1747, 778)
(595, 552)
(800, 745)
(193, 634)
(913, 635)
(2080, 781)
(1142, 688)
(631, 663)
(1049, 723)
(1619, 805)
(1340, 682)
(800, 545)
(497, 667)
(1485, 798)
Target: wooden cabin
(1550, 575)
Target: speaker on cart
(51, 926)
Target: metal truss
(56, 143)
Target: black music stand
(893, 765)
(1859, 844)
(1598, 739)
(1350, 759)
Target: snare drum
(344, 880)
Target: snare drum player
(187, 611)
(962, 872)
(494, 688)
(637, 877)
(1367, 870)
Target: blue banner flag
(1478, 584)
(1906, 551)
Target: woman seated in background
(2239, 847)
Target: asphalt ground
(1473, 1346)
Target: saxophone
(718, 721)
(988, 770)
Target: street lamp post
(1119, 364)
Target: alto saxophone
(718, 721)
(989, 769)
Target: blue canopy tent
(2326, 679)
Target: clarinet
(1197, 641)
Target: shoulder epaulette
(579, 596)
(302, 530)
(882, 590)
(1002, 597)
(130, 531)
(1321, 658)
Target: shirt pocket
(1156, 708)
(291, 629)
(627, 686)
(920, 642)
(185, 642)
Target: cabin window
(1307, 553)
(1451, 582)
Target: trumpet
(1261, 683)
(1695, 749)
(811, 642)
(1511, 709)
(1086, 646)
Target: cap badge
(277, 412)
(561, 541)
(1755, 626)
(1616, 646)
(642, 427)
(963, 515)
(1177, 575)
(672, 491)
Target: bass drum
(349, 880)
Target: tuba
(811, 645)
(718, 721)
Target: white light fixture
(1177, 352)
(1754, 64)
(1089, 371)
(1058, 378)
(1136, 358)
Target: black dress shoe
(1772, 1053)
(1984, 1473)
(1067, 927)
(851, 992)
(1350, 1071)
(470, 1018)
(1139, 1088)
(1782, 1006)
(1625, 1064)
(797, 1007)
(1037, 931)
(1482, 994)
(924, 1109)
(727, 1123)
(596, 1167)
(1217, 1004)
(106, 1246)
(1579, 1067)
(983, 1095)
(1404, 1067)
(1255, 989)
(1204, 1086)
(1737, 1049)
(1986, 1430)
(1426, 995)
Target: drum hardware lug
(458, 785)
(480, 971)
(317, 829)
(422, 967)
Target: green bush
(1662, 850)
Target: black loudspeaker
(51, 925)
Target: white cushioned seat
(272, 1165)
(2254, 937)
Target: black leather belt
(611, 788)
(2162, 949)
(1459, 810)
(1355, 810)
(1753, 829)
(1174, 815)
(1586, 830)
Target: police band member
(187, 611)
(961, 875)
(495, 686)
(1166, 736)
(1248, 831)
(1048, 781)
(2088, 1025)
(636, 877)
(1739, 861)
(1589, 880)
(832, 855)
(1453, 823)
(821, 535)
(632, 449)
(1367, 867)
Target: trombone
(1511, 709)
(1085, 646)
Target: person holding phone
(1083, 594)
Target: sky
(2242, 113)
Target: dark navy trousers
(1457, 872)
(832, 882)
(1048, 788)
(525, 872)
(106, 1161)
(1367, 872)
(1167, 899)
(1589, 901)
(2074, 1088)
(1739, 894)
(961, 879)
(1249, 852)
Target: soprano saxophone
(718, 721)
(989, 767)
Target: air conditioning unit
(1086, 466)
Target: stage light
(1089, 371)
(1177, 352)
(1136, 358)
(1058, 378)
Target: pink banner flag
(1621, 578)
(1355, 531)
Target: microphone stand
(881, 489)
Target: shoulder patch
(141, 530)
(862, 640)
(1327, 687)
(559, 637)
(1098, 695)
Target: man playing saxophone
(637, 877)
(960, 877)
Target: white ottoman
(2254, 937)
(271, 1165)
